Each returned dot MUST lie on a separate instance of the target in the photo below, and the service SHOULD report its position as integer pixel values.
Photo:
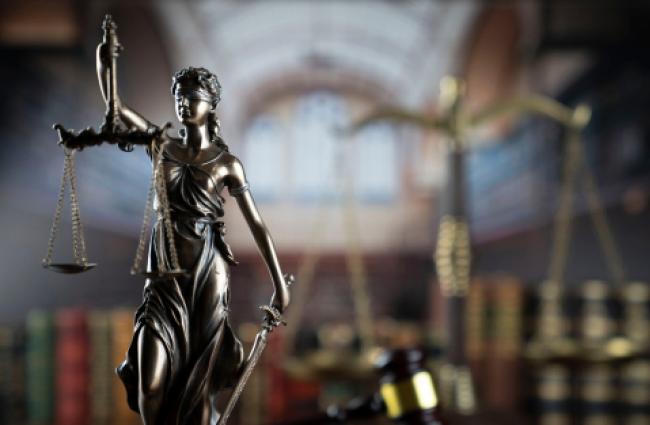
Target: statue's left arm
(238, 187)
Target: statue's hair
(208, 82)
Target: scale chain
(75, 230)
(54, 230)
(164, 203)
(562, 231)
(575, 163)
(611, 253)
(79, 245)
(146, 221)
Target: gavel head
(407, 388)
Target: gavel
(406, 395)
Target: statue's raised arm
(107, 53)
(122, 125)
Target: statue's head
(197, 92)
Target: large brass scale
(453, 254)
(113, 131)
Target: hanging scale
(157, 187)
(80, 263)
(113, 132)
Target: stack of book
(12, 379)
(494, 337)
(588, 360)
(635, 374)
(59, 369)
(601, 374)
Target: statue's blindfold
(196, 94)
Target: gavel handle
(361, 408)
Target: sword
(272, 319)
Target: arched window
(315, 145)
(294, 151)
(264, 153)
(376, 168)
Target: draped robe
(189, 313)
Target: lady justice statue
(183, 350)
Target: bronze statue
(183, 350)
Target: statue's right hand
(107, 52)
(281, 296)
(280, 300)
(103, 57)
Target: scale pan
(70, 268)
(165, 275)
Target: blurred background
(354, 215)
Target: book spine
(72, 368)
(502, 369)
(101, 368)
(636, 315)
(635, 375)
(5, 374)
(553, 395)
(276, 403)
(40, 367)
(475, 331)
(635, 392)
(597, 395)
(121, 334)
(596, 325)
(18, 407)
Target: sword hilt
(273, 318)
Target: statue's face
(193, 105)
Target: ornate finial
(451, 90)
(581, 116)
(109, 23)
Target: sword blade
(261, 341)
